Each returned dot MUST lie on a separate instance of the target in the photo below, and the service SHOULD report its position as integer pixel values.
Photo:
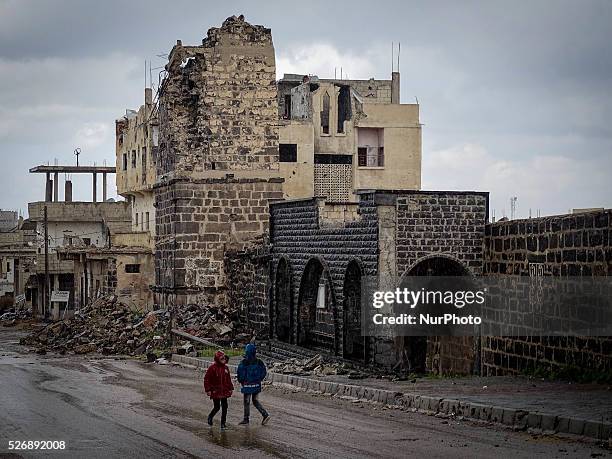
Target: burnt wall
(562, 245)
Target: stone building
(339, 136)
(217, 167)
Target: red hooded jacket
(217, 381)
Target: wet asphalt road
(125, 408)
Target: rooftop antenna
(399, 50)
(77, 152)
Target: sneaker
(243, 422)
(210, 421)
(223, 427)
(265, 420)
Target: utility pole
(47, 283)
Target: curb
(509, 417)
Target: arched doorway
(355, 344)
(283, 300)
(412, 350)
(316, 311)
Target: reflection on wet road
(126, 408)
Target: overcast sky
(516, 97)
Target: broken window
(125, 161)
(144, 164)
(87, 241)
(148, 225)
(344, 107)
(133, 159)
(370, 149)
(132, 268)
(287, 110)
(287, 152)
(325, 114)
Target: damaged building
(339, 136)
(217, 167)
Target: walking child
(218, 386)
(251, 373)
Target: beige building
(136, 144)
(339, 136)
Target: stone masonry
(561, 245)
(218, 159)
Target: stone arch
(316, 327)
(412, 351)
(282, 316)
(355, 345)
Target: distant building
(8, 221)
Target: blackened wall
(304, 230)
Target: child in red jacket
(218, 386)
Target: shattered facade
(218, 159)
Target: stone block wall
(218, 103)
(197, 222)
(561, 245)
(448, 223)
(248, 279)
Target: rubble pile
(315, 366)
(107, 326)
(221, 325)
(13, 317)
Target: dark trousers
(256, 404)
(219, 403)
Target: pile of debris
(13, 317)
(221, 325)
(316, 366)
(107, 326)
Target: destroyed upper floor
(136, 143)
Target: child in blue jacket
(251, 373)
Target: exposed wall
(248, 275)
(562, 245)
(299, 176)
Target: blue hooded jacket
(251, 371)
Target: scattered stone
(107, 326)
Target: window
(125, 161)
(287, 110)
(8, 266)
(133, 159)
(370, 147)
(147, 224)
(87, 241)
(287, 152)
(136, 222)
(325, 114)
(344, 107)
(142, 221)
(132, 269)
(371, 156)
(144, 163)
